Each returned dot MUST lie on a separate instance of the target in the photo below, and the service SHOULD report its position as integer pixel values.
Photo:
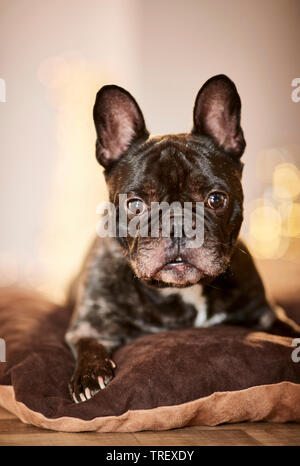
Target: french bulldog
(134, 285)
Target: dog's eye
(217, 200)
(135, 206)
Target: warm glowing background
(56, 54)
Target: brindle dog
(130, 286)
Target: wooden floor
(14, 432)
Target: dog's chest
(191, 296)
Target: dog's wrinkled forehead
(174, 168)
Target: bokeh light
(274, 219)
(286, 181)
(265, 222)
(293, 223)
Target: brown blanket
(195, 376)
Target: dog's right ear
(217, 114)
(119, 123)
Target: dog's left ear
(119, 123)
(217, 114)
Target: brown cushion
(187, 377)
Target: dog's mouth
(177, 262)
(179, 272)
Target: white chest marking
(191, 295)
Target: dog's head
(200, 167)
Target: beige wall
(54, 57)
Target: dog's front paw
(90, 376)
